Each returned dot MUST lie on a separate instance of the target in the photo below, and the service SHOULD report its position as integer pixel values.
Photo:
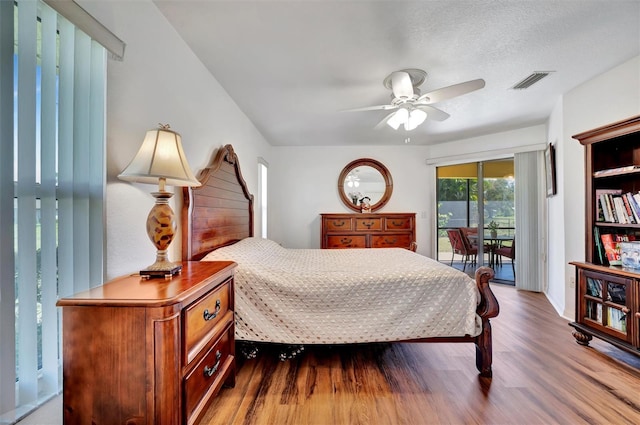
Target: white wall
(160, 81)
(609, 97)
(306, 179)
(489, 146)
(556, 259)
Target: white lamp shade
(416, 117)
(160, 156)
(409, 118)
(400, 117)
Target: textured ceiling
(293, 66)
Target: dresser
(375, 230)
(149, 351)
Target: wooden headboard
(218, 213)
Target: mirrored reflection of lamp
(161, 160)
(352, 181)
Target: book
(598, 242)
(635, 207)
(611, 249)
(611, 207)
(606, 214)
(594, 287)
(617, 319)
(620, 211)
(627, 207)
(636, 197)
(604, 195)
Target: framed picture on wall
(550, 169)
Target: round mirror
(365, 178)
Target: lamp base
(163, 269)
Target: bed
(315, 296)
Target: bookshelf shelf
(607, 294)
(624, 226)
(615, 172)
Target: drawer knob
(208, 316)
(209, 371)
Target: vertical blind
(530, 256)
(51, 191)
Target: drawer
(202, 316)
(347, 241)
(391, 241)
(206, 378)
(368, 224)
(337, 224)
(399, 223)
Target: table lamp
(161, 160)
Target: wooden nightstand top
(132, 290)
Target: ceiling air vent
(531, 80)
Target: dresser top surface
(376, 214)
(133, 290)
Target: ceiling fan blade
(451, 91)
(401, 85)
(372, 108)
(433, 113)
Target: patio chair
(460, 245)
(509, 252)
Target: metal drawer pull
(342, 223)
(397, 223)
(208, 316)
(368, 225)
(390, 241)
(209, 371)
(346, 240)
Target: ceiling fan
(410, 108)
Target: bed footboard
(487, 309)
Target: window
(52, 175)
(263, 168)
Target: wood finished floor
(540, 376)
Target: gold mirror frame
(388, 182)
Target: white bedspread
(335, 296)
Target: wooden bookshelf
(607, 296)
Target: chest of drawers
(149, 351)
(375, 230)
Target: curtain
(530, 225)
(52, 136)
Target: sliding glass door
(458, 194)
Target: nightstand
(149, 351)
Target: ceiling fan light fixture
(401, 116)
(410, 119)
(416, 117)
